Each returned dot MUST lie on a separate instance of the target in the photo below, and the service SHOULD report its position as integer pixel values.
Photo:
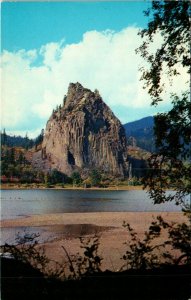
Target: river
(20, 203)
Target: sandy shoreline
(137, 219)
(108, 225)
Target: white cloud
(102, 60)
(51, 53)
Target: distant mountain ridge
(141, 134)
(146, 122)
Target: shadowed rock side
(85, 134)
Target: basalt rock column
(84, 134)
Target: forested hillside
(19, 141)
(140, 133)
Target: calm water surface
(18, 203)
(21, 203)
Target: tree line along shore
(10, 186)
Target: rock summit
(84, 134)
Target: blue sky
(31, 25)
(47, 45)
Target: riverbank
(64, 229)
(70, 187)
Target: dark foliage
(22, 275)
(141, 254)
(152, 253)
(170, 167)
(20, 281)
(76, 178)
(56, 176)
(90, 262)
(95, 177)
(28, 251)
(16, 168)
(171, 19)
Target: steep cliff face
(85, 134)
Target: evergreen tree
(3, 137)
(95, 177)
(57, 176)
(21, 159)
(76, 178)
(12, 156)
